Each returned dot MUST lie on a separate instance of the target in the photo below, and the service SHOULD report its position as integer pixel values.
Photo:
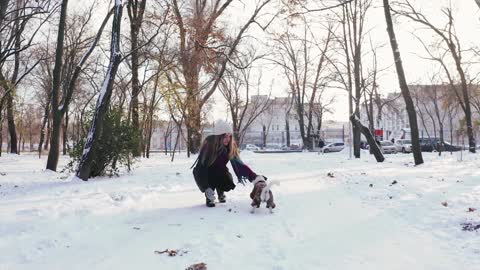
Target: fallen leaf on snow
(197, 266)
(470, 227)
(172, 253)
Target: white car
(333, 147)
(404, 146)
(388, 147)
(252, 147)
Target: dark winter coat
(321, 144)
(217, 175)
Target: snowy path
(320, 223)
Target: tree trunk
(264, 136)
(3, 10)
(193, 122)
(59, 111)
(42, 130)
(53, 154)
(358, 95)
(319, 126)
(65, 134)
(135, 14)
(19, 143)
(151, 111)
(468, 111)
(11, 125)
(30, 136)
(299, 106)
(412, 116)
(370, 139)
(149, 138)
(165, 142)
(441, 145)
(103, 100)
(1, 132)
(52, 161)
(49, 132)
(287, 131)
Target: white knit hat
(222, 127)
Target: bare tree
(372, 97)
(350, 70)
(84, 167)
(355, 16)
(43, 77)
(72, 67)
(167, 133)
(436, 99)
(265, 120)
(449, 37)
(155, 99)
(451, 108)
(320, 108)
(412, 116)
(16, 17)
(236, 87)
(417, 99)
(303, 61)
(288, 108)
(57, 73)
(201, 52)
(135, 10)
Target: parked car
(428, 144)
(447, 147)
(433, 144)
(388, 147)
(252, 147)
(333, 147)
(404, 146)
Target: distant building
(164, 136)
(273, 124)
(394, 119)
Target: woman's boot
(210, 196)
(221, 196)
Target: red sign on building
(379, 134)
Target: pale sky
(467, 18)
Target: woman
(211, 172)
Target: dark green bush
(113, 148)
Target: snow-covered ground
(364, 215)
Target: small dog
(261, 193)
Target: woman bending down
(211, 172)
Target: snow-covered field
(364, 215)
